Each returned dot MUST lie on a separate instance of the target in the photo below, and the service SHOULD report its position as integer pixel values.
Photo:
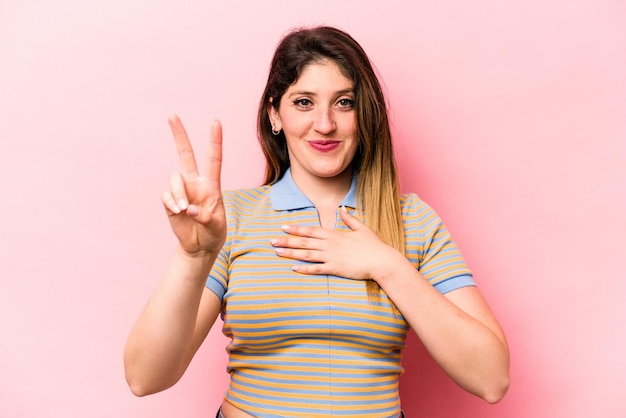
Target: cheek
(350, 126)
(354, 147)
(296, 127)
(351, 132)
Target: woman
(324, 268)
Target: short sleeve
(430, 247)
(217, 281)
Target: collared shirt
(285, 195)
(315, 345)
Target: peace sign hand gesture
(194, 202)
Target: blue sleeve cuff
(454, 283)
(216, 287)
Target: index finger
(183, 146)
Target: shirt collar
(285, 195)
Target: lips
(324, 146)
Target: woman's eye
(346, 103)
(303, 102)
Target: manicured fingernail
(343, 208)
(285, 227)
(182, 204)
(280, 251)
(295, 267)
(274, 241)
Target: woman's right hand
(194, 202)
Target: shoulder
(412, 205)
(244, 204)
(246, 197)
(418, 216)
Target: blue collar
(285, 195)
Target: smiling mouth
(324, 145)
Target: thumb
(193, 211)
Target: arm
(181, 311)
(172, 326)
(458, 329)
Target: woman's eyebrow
(311, 93)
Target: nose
(324, 122)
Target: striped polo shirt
(315, 345)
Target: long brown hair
(377, 188)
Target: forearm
(159, 346)
(458, 331)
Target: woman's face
(318, 119)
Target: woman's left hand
(355, 254)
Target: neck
(324, 192)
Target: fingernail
(285, 227)
(182, 204)
(280, 251)
(274, 241)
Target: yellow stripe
(313, 396)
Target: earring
(274, 131)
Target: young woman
(323, 269)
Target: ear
(274, 116)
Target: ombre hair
(377, 189)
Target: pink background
(509, 118)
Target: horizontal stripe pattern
(314, 345)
